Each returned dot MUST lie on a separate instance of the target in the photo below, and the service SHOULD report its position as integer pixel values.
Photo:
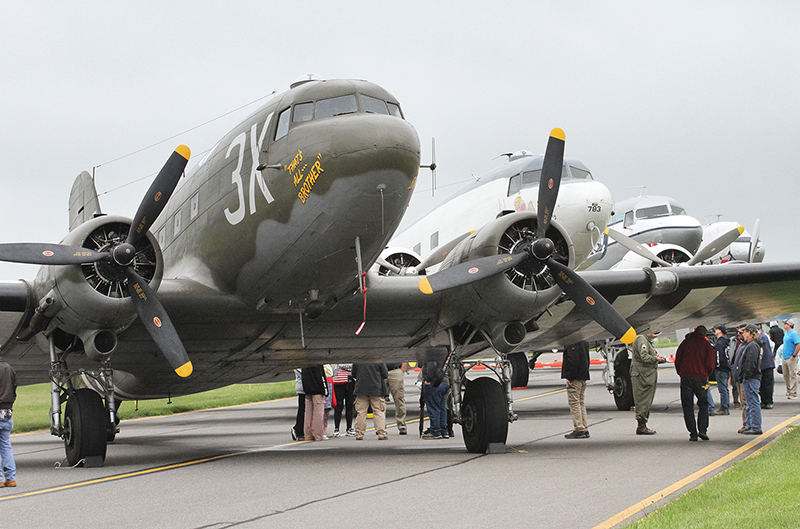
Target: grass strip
(760, 492)
(32, 407)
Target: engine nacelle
(92, 299)
(513, 296)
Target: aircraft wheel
(519, 370)
(623, 391)
(484, 415)
(85, 426)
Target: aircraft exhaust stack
(506, 337)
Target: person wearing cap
(722, 372)
(791, 348)
(8, 394)
(694, 363)
(767, 370)
(644, 376)
(750, 377)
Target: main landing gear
(617, 375)
(482, 405)
(88, 423)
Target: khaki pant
(378, 414)
(312, 425)
(577, 407)
(789, 368)
(397, 386)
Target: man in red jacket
(694, 362)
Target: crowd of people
(360, 390)
(742, 368)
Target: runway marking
(642, 505)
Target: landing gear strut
(88, 423)
(617, 375)
(483, 406)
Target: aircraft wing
(666, 299)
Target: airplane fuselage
(272, 236)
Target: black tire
(623, 389)
(519, 370)
(484, 415)
(85, 426)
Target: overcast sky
(694, 100)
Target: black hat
(721, 327)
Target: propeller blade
(389, 266)
(48, 254)
(550, 180)
(716, 246)
(438, 254)
(160, 190)
(158, 324)
(470, 272)
(591, 302)
(754, 240)
(635, 247)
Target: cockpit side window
(374, 105)
(652, 212)
(628, 219)
(513, 185)
(283, 124)
(303, 112)
(335, 106)
(580, 173)
(531, 178)
(394, 109)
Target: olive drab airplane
(261, 260)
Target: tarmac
(238, 467)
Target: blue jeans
(6, 456)
(435, 401)
(752, 413)
(710, 398)
(724, 392)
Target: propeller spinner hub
(543, 249)
(124, 254)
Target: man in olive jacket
(644, 377)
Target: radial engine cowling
(515, 295)
(94, 297)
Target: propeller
(716, 245)
(707, 251)
(540, 248)
(754, 240)
(149, 309)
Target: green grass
(762, 491)
(32, 407)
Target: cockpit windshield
(332, 107)
(676, 209)
(531, 179)
(652, 212)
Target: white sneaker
(336, 433)
(350, 432)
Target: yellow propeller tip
(741, 229)
(425, 286)
(606, 231)
(628, 337)
(184, 151)
(557, 133)
(185, 370)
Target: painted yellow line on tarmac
(634, 509)
(143, 472)
(542, 395)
